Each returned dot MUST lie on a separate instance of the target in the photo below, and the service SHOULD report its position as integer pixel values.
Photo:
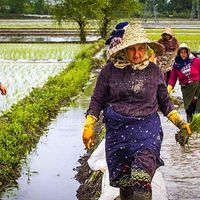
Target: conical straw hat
(134, 34)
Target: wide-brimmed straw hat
(132, 34)
(168, 31)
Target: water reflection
(48, 171)
(181, 171)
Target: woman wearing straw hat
(170, 43)
(186, 68)
(130, 89)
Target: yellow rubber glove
(88, 133)
(178, 121)
(169, 88)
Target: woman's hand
(3, 89)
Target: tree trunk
(82, 25)
(104, 27)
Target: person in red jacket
(186, 69)
(165, 61)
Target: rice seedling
(182, 137)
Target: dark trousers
(167, 76)
(191, 110)
(133, 193)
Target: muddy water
(48, 171)
(181, 171)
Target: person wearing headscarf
(165, 61)
(130, 90)
(186, 69)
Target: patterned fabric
(170, 45)
(166, 61)
(187, 74)
(180, 63)
(132, 148)
(130, 92)
(138, 177)
(120, 59)
(117, 33)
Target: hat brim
(158, 48)
(135, 34)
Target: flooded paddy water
(48, 172)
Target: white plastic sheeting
(97, 161)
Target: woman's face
(183, 54)
(136, 53)
(167, 36)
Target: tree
(16, 6)
(180, 6)
(78, 10)
(39, 7)
(3, 6)
(113, 9)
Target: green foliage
(182, 137)
(22, 126)
(115, 9)
(78, 10)
(195, 123)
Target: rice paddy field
(42, 23)
(25, 66)
(28, 65)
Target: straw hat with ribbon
(126, 35)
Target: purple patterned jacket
(130, 92)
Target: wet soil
(90, 181)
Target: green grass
(14, 51)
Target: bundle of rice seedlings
(182, 137)
(195, 124)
